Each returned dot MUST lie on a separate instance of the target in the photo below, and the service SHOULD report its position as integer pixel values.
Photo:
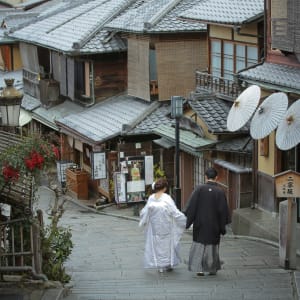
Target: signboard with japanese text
(98, 164)
(61, 170)
(120, 187)
(287, 184)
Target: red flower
(10, 174)
(55, 151)
(29, 163)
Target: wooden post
(287, 186)
(37, 253)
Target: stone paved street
(107, 263)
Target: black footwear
(200, 274)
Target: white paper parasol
(268, 115)
(288, 131)
(243, 108)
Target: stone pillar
(287, 234)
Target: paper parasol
(268, 115)
(243, 108)
(288, 131)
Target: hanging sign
(120, 187)
(287, 184)
(98, 163)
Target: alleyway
(106, 263)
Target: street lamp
(176, 112)
(10, 104)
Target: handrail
(221, 86)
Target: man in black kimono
(208, 211)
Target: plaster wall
(266, 164)
(220, 32)
(250, 29)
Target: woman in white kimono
(164, 225)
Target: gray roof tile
(241, 145)
(105, 120)
(286, 77)
(154, 16)
(75, 26)
(226, 11)
(156, 118)
(213, 111)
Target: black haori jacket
(208, 211)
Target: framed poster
(120, 187)
(98, 164)
(61, 167)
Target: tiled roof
(154, 16)
(233, 12)
(213, 112)
(103, 43)
(241, 145)
(30, 103)
(48, 116)
(15, 19)
(152, 121)
(106, 120)
(70, 30)
(282, 77)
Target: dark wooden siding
(110, 75)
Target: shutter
(55, 66)
(177, 62)
(138, 69)
(29, 57)
(282, 20)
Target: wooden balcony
(222, 87)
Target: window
(216, 53)
(228, 58)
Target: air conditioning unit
(49, 92)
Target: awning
(25, 117)
(189, 142)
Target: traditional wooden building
(280, 72)
(163, 54)
(235, 42)
(163, 51)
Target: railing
(220, 86)
(20, 247)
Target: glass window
(240, 57)
(231, 58)
(252, 56)
(228, 61)
(216, 58)
(198, 171)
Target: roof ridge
(156, 18)
(79, 14)
(48, 15)
(98, 27)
